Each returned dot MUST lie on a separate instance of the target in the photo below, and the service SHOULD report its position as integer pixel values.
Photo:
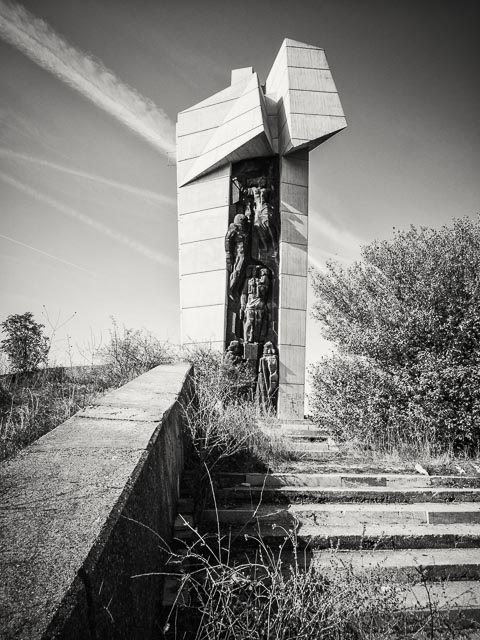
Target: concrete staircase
(420, 530)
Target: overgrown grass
(269, 598)
(223, 418)
(226, 591)
(33, 404)
(241, 588)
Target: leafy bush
(406, 321)
(131, 352)
(26, 345)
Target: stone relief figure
(233, 354)
(253, 303)
(258, 197)
(237, 250)
(267, 384)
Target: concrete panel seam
(291, 384)
(214, 104)
(294, 184)
(203, 179)
(239, 115)
(200, 306)
(192, 133)
(191, 273)
(203, 240)
(188, 213)
(294, 46)
(296, 66)
(299, 244)
(313, 91)
(291, 344)
(318, 115)
(258, 128)
(296, 275)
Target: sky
(89, 92)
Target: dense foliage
(406, 321)
(25, 343)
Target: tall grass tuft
(31, 404)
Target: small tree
(25, 345)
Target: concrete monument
(242, 173)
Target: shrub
(26, 345)
(131, 352)
(407, 318)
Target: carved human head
(268, 349)
(234, 347)
(240, 220)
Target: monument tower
(242, 174)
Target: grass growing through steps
(236, 588)
(419, 456)
(277, 594)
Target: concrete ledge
(84, 509)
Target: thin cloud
(134, 191)
(36, 39)
(48, 255)
(314, 262)
(338, 237)
(90, 222)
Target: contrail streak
(135, 191)
(49, 255)
(36, 39)
(81, 217)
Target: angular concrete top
(309, 108)
(233, 124)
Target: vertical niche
(252, 254)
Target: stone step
(333, 514)
(413, 565)
(428, 513)
(343, 465)
(354, 537)
(301, 434)
(303, 445)
(313, 452)
(340, 480)
(292, 494)
(310, 438)
(457, 596)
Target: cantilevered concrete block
(309, 109)
(242, 172)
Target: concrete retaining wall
(83, 510)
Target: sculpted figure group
(254, 303)
(251, 246)
(267, 380)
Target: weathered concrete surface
(83, 510)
